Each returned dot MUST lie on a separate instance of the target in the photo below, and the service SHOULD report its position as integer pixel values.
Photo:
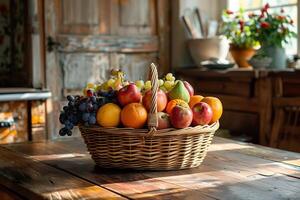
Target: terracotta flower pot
(242, 55)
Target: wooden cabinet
(246, 96)
(23, 116)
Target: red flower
(262, 15)
(264, 25)
(267, 6)
(3, 8)
(229, 12)
(241, 23)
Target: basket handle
(152, 115)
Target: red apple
(129, 94)
(163, 120)
(181, 117)
(162, 100)
(189, 88)
(202, 113)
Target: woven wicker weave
(152, 149)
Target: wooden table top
(231, 170)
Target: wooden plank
(164, 31)
(264, 93)
(224, 87)
(74, 160)
(39, 181)
(231, 170)
(7, 194)
(286, 101)
(236, 103)
(96, 44)
(263, 152)
(235, 74)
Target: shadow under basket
(149, 149)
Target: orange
(134, 115)
(216, 106)
(174, 103)
(109, 115)
(195, 99)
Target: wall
(210, 8)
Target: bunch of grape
(169, 82)
(109, 96)
(79, 110)
(69, 116)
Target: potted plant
(272, 31)
(237, 27)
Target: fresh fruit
(79, 110)
(195, 99)
(169, 85)
(202, 113)
(179, 92)
(148, 85)
(170, 77)
(162, 100)
(163, 120)
(140, 84)
(129, 94)
(171, 104)
(181, 117)
(189, 88)
(160, 82)
(134, 115)
(90, 85)
(216, 106)
(109, 115)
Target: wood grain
(35, 180)
(232, 170)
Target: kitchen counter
(23, 94)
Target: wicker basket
(152, 149)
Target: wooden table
(64, 170)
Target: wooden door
(94, 36)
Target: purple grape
(70, 98)
(92, 120)
(71, 103)
(62, 117)
(93, 99)
(63, 131)
(69, 132)
(85, 117)
(69, 126)
(65, 108)
(90, 107)
(95, 107)
(82, 107)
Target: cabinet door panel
(133, 17)
(73, 19)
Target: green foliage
(273, 29)
(246, 31)
(237, 27)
